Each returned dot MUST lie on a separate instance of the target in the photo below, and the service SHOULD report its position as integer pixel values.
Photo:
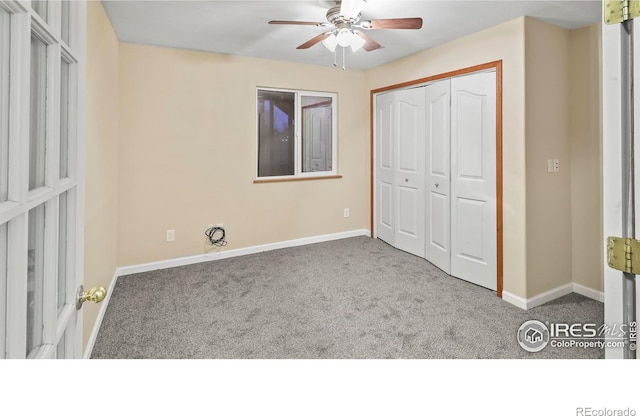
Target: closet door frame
(495, 65)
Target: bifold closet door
(385, 169)
(473, 179)
(438, 156)
(400, 159)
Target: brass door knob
(93, 295)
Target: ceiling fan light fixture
(357, 42)
(345, 37)
(330, 42)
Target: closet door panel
(385, 168)
(438, 156)
(410, 110)
(473, 179)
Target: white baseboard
(201, 258)
(588, 292)
(96, 325)
(183, 261)
(514, 300)
(552, 294)
(549, 295)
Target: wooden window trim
(295, 178)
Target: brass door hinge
(623, 254)
(617, 11)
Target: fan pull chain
(343, 58)
(335, 58)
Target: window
(297, 133)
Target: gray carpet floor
(351, 298)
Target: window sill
(295, 179)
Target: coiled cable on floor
(216, 236)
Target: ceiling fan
(345, 27)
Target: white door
(410, 170)
(438, 223)
(41, 170)
(473, 179)
(316, 136)
(385, 169)
(401, 180)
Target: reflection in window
(296, 133)
(317, 137)
(276, 133)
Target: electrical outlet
(171, 235)
(553, 165)
(346, 212)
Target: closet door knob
(406, 179)
(437, 185)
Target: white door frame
(611, 169)
(495, 65)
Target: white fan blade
(349, 9)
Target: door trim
(497, 66)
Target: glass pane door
(40, 92)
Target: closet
(435, 174)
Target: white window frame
(298, 135)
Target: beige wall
(563, 121)
(171, 144)
(503, 42)
(585, 118)
(188, 154)
(547, 137)
(101, 157)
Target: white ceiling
(240, 27)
